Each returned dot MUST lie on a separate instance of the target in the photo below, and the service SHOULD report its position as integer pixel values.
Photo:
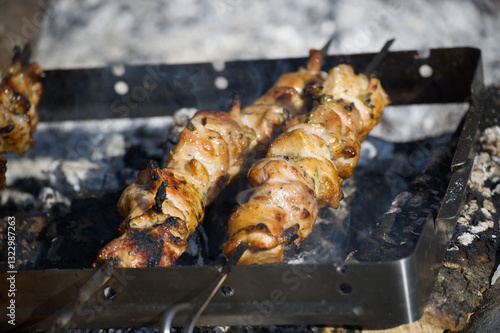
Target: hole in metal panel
(121, 87)
(118, 70)
(345, 288)
(425, 71)
(424, 53)
(342, 269)
(219, 65)
(221, 82)
(109, 293)
(358, 311)
(227, 291)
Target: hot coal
(72, 240)
(136, 157)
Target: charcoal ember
(14, 201)
(397, 232)
(196, 252)
(74, 239)
(490, 116)
(216, 217)
(29, 245)
(30, 185)
(136, 157)
(473, 253)
(487, 315)
(148, 144)
(32, 196)
(370, 200)
(51, 200)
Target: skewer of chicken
(304, 168)
(163, 207)
(20, 92)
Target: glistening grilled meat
(20, 92)
(165, 206)
(305, 166)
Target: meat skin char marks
(163, 207)
(305, 167)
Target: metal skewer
(244, 195)
(85, 292)
(378, 58)
(23, 54)
(324, 49)
(201, 304)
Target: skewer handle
(200, 306)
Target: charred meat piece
(165, 206)
(20, 92)
(305, 166)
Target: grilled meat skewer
(20, 92)
(305, 166)
(165, 206)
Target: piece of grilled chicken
(20, 92)
(163, 207)
(305, 166)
